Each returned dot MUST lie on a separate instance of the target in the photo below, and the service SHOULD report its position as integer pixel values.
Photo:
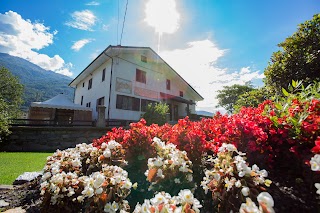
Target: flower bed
(174, 168)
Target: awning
(60, 102)
(175, 98)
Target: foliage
(14, 164)
(228, 96)
(10, 98)
(156, 113)
(39, 84)
(299, 58)
(251, 99)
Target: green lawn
(13, 164)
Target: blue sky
(211, 43)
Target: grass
(13, 164)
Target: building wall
(124, 83)
(99, 88)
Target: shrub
(156, 113)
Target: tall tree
(10, 98)
(299, 58)
(229, 95)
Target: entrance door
(175, 113)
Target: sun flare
(162, 15)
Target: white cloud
(20, 37)
(197, 64)
(82, 20)
(93, 3)
(81, 43)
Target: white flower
(99, 191)
(114, 206)
(249, 206)
(98, 179)
(80, 199)
(184, 168)
(267, 200)
(76, 163)
(158, 199)
(107, 153)
(238, 184)
(159, 142)
(127, 184)
(158, 162)
(317, 185)
(315, 163)
(107, 207)
(245, 191)
(159, 173)
(177, 180)
(88, 191)
(112, 144)
(186, 196)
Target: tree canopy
(228, 96)
(10, 98)
(299, 58)
(251, 99)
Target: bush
(156, 113)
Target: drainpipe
(110, 86)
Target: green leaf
(284, 91)
(278, 106)
(294, 83)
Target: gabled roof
(109, 52)
(60, 102)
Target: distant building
(126, 79)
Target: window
(181, 93)
(100, 101)
(88, 104)
(83, 84)
(103, 74)
(144, 58)
(90, 84)
(128, 103)
(141, 76)
(168, 84)
(81, 100)
(145, 103)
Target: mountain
(39, 84)
(204, 113)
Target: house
(126, 79)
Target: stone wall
(40, 139)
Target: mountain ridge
(39, 84)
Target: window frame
(125, 102)
(168, 84)
(141, 76)
(90, 84)
(181, 93)
(103, 75)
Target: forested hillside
(39, 84)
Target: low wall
(40, 139)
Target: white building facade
(126, 79)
